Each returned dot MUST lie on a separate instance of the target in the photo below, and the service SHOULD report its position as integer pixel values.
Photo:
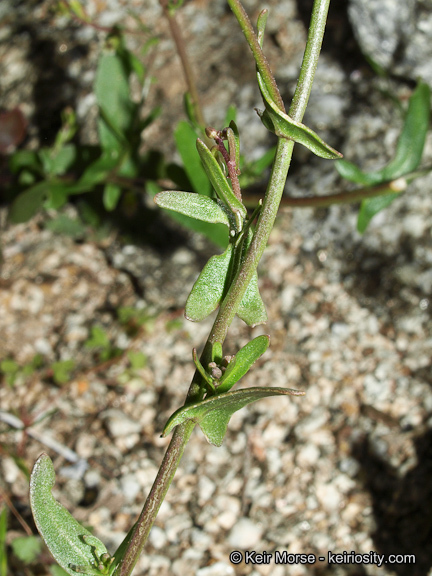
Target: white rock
(217, 569)
(245, 535)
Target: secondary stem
(235, 294)
(187, 69)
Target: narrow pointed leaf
(217, 352)
(409, 148)
(113, 97)
(351, 172)
(64, 536)
(372, 206)
(214, 413)
(252, 309)
(206, 377)
(218, 180)
(244, 359)
(234, 141)
(412, 139)
(185, 137)
(285, 127)
(195, 206)
(209, 288)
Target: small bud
(216, 373)
(226, 360)
(211, 133)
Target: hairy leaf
(252, 309)
(208, 290)
(217, 233)
(195, 206)
(219, 180)
(243, 362)
(285, 127)
(280, 123)
(213, 414)
(70, 543)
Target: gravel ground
(347, 467)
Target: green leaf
(137, 359)
(413, 136)
(244, 359)
(113, 97)
(234, 141)
(63, 224)
(3, 530)
(28, 203)
(213, 414)
(111, 196)
(208, 290)
(99, 170)
(217, 352)
(185, 137)
(351, 172)
(56, 163)
(409, 148)
(285, 127)
(27, 548)
(280, 123)
(195, 206)
(191, 111)
(9, 366)
(70, 543)
(372, 206)
(206, 377)
(62, 371)
(98, 338)
(24, 159)
(217, 233)
(219, 180)
(251, 309)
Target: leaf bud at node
(211, 133)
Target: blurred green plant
(47, 178)
(402, 169)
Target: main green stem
(241, 281)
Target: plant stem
(241, 281)
(279, 172)
(260, 59)
(187, 69)
(324, 201)
(156, 496)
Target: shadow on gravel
(402, 506)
